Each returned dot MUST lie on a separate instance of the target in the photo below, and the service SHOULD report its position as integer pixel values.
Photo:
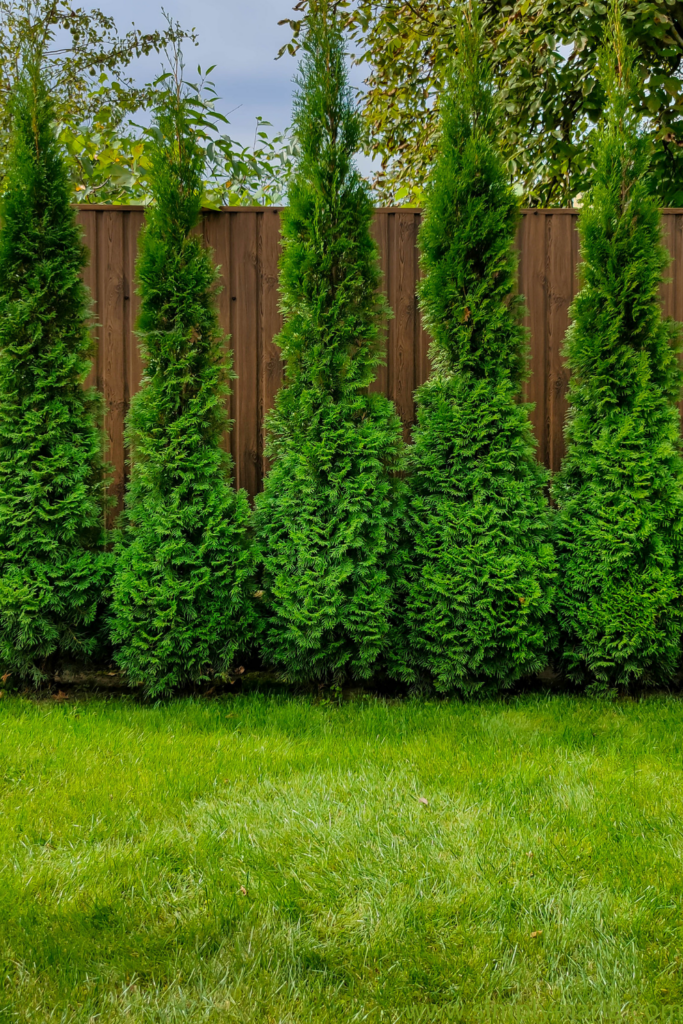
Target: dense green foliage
(54, 574)
(619, 528)
(544, 55)
(481, 567)
(182, 587)
(328, 518)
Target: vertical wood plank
(216, 229)
(246, 245)
(270, 323)
(560, 291)
(532, 285)
(134, 221)
(112, 337)
(401, 369)
(244, 285)
(423, 364)
(87, 221)
(380, 232)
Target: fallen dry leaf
(243, 891)
(6, 676)
(60, 696)
(423, 800)
(534, 935)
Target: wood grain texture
(134, 362)
(244, 286)
(246, 246)
(88, 225)
(533, 282)
(422, 340)
(112, 343)
(380, 233)
(560, 292)
(402, 278)
(217, 232)
(270, 323)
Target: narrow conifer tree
(619, 494)
(328, 519)
(182, 588)
(54, 572)
(481, 568)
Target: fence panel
(246, 248)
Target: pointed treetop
(617, 70)
(470, 92)
(326, 122)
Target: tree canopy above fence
(545, 58)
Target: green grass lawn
(262, 860)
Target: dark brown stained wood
(134, 364)
(217, 236)
(246, 245)
(380, 232)
(560, 291)
(402, 279)
(532, 236)
(112, 342)
(423, 364)
(270, 321)
(244, 286)
(88, 224)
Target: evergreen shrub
(54, 571)
(182, 593)
(619, 526)
(481, 569)
(329, 517)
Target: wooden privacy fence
(246, 243)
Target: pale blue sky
(242, 38)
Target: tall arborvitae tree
(619, 528)
(481, 568)
(54, 572)
(182, 608)
(328, 518)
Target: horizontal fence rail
(245, 241)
